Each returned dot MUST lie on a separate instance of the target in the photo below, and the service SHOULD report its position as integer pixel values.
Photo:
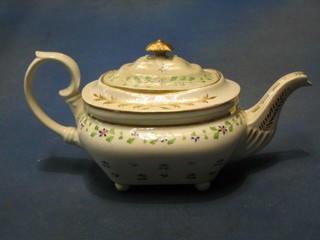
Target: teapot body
(186, 154)
(162, 120)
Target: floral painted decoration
(111, 134)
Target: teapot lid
(160, 83)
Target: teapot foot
(122, 187)
(203, 186)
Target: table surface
(52, 190)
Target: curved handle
(71, 93)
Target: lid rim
(148, 91)
(109, 98)
(164, 119)
(184, 83)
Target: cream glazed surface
(187, 154)
(162, 120)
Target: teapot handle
(71, 94)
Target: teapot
(161, 119)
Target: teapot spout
(262, 118)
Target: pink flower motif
(223, 129)
(103, 132)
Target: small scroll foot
(203, 186)
(122, 187)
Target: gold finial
(159, 48)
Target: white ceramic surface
(162, 120)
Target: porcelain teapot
(163, 120)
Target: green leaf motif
(145, 141)
(173, 78)
(109, 139)
(137, 79)
(111, 131)
(216, 135)
(154, 141)
(96, 127)
(171, 141)
(93, 134)
(121, 136)
(213, 129)
(193, 134)
(230, 126)
(130, 140)
(208, 76)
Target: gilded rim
(235, 102)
